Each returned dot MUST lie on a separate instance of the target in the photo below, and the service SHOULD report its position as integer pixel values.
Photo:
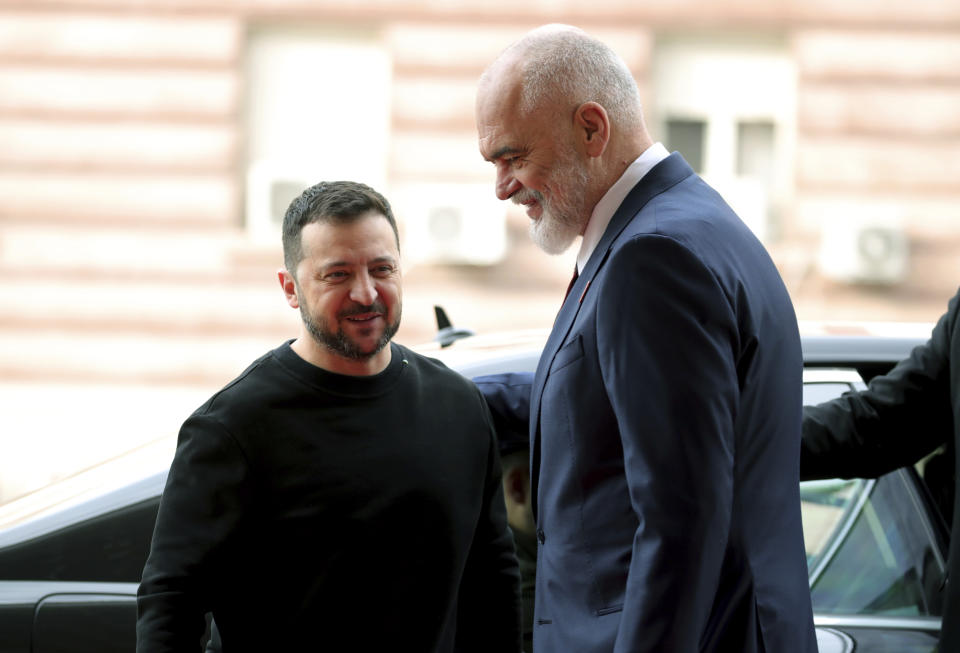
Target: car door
(57, 617)
(875, 552)
(68, 579)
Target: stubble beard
(338, 342)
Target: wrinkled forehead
(498, 112)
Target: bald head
(561, 67)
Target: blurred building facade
(149, 149)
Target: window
(301, 79)
(112, 547)
(687, 137)
(869, 549)
(755, 152)
(726, 102)
(871, 545)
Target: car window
(870, 549)
(826, 507)
(108, 548)
(815, 393)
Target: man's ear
(289, 286)
(593, 125)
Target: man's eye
(383, 270)
(336, 274)
(511, 161)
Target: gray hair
(562, 64)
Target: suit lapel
(663, 176)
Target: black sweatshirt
(314, 511)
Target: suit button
(540, 536)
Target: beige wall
(125, 268)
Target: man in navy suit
(665, 412)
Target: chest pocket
(569, 353)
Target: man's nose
(363, 290)
(507, 184)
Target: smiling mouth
(528, 200)
(362, 317)
(533, 209)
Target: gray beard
(562, 219)
(552, 235)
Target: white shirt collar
(613, 198)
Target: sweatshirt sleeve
(489, 601)
(200, 510)
(901, 416)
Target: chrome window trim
(849, 520)
(928, 528)
(877, 621)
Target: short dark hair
(338, 202)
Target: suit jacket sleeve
(489, 599)
(508, 397)
(200, 509)
(666, 338)
(899, 418)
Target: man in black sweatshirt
(342, 493)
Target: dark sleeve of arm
(199, 510)
(508, 396)
(489, 603)
(899, 418)
(666, 337)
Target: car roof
(850, 350)
(140, 475)
(869, 348)
(136, 475)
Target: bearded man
(664, 414)
(343, 493)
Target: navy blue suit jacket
(665, 434)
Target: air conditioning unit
(271, 187)
(451, 223)
(872, 250)
(272, 184)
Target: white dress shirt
(613, 198)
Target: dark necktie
(573, 280)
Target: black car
(71, 554)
